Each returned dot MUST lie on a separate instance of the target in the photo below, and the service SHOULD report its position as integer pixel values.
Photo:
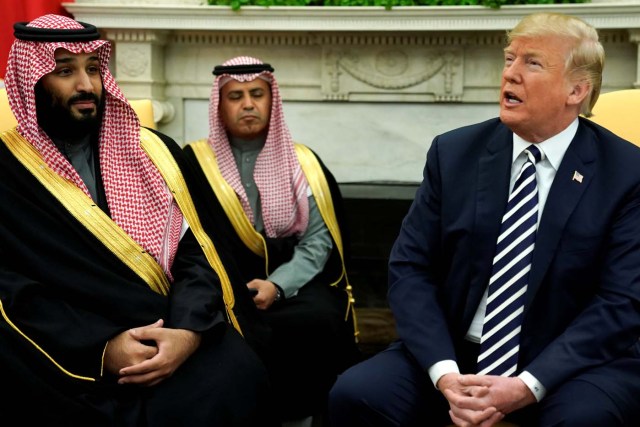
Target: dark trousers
(390, 389)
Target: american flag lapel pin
(577, 176)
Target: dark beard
(58, 122)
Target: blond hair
(585, 60)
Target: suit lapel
(494, 171)
(564, 195)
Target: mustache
(84, 97)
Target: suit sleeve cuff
(534, 385)
(437, 370)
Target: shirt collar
(553, 148)
(245, 145)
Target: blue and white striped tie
(500, 340)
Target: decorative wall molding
(380, 82)
(187, 16)
(385, 71)
(277, 38)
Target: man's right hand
(467, 408)
(124, 350)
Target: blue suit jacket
(582, 302)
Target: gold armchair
(7, 121)
(144, 110)
(619, 111)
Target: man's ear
(579, 91)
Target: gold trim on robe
(116, 240)
(320, 190)
(243, 227)
(83, 208)
(164, 161)
(228, 199)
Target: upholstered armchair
(619, 111)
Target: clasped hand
(148, 354)
(483, 400)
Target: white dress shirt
(553, 150)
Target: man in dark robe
(281, 209)
(114, 306)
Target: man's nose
(83, 83)
(511, 72)
(247, 102)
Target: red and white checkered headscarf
(138, 198)
(278, 175)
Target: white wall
(363, 142)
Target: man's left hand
(506, 394)
(174, 347)
(266, 295)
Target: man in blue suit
(574, 338)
